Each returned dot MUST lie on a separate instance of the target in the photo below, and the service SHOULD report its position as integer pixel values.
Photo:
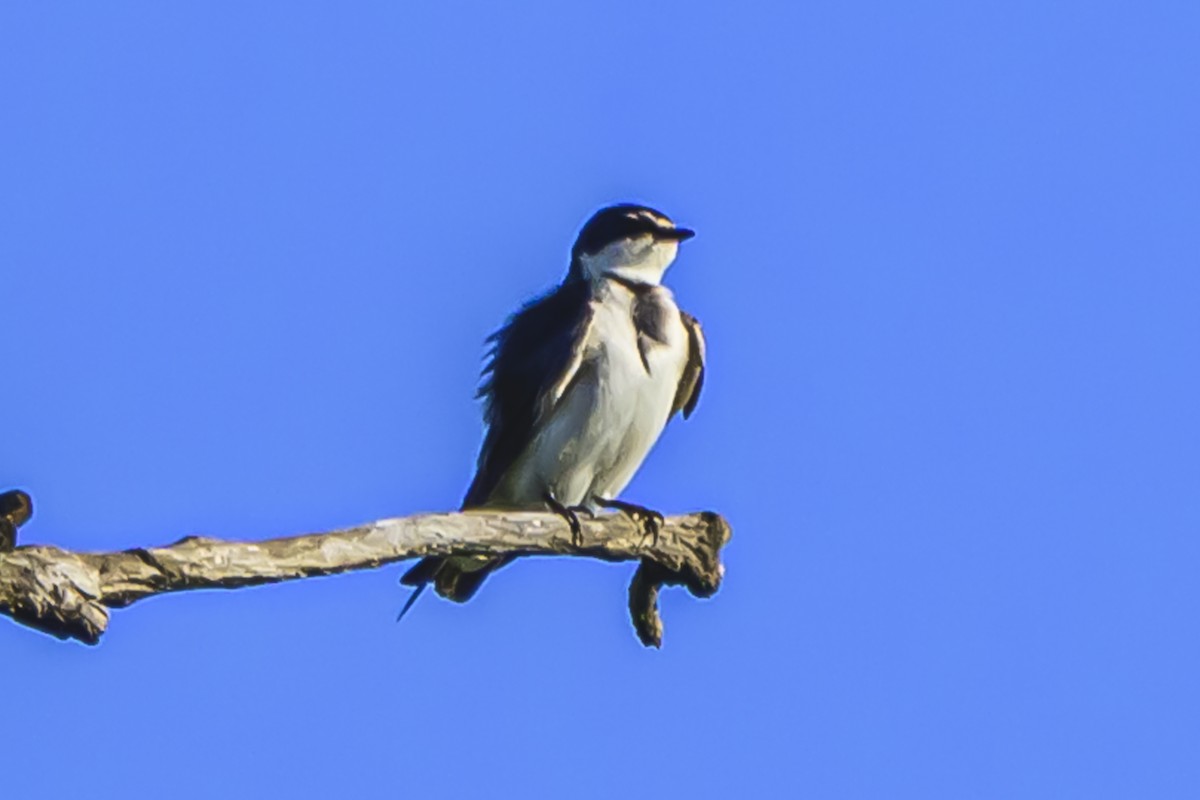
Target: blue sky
(947, 266)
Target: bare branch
(69, 594)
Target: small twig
(16, 507)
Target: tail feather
(412, 598)
(466, 582)
(454, 578)
(422, 572)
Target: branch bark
(68, 594)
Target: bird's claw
(651, 521)
(654, 523)
(571, 515)
(576, 527)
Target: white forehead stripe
(659, 221)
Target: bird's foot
(583, 509)
(571, 515)
(651, 521)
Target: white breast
(602, 429)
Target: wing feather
(692, 379)
(534, 359)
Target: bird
(579, 385)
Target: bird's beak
(677, 234)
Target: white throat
(640, 259)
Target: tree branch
(69, 594)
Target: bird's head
(629, 241)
